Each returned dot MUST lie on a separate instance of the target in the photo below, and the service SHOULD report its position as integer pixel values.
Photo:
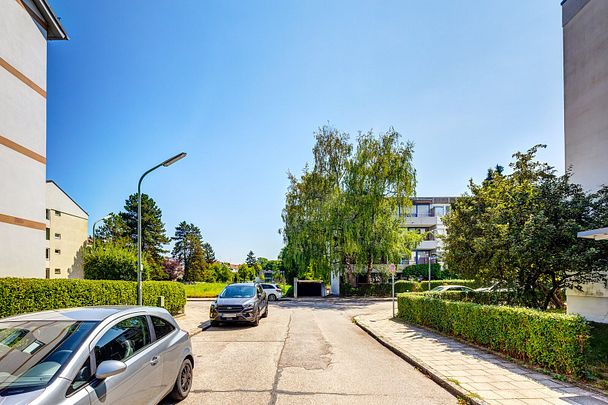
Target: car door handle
(154, 360)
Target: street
(305, 352)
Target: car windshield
(238, 291)
(32, 352)
(440, 288)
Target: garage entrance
(309, 288)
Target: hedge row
(384, 290)
(30, 295)
(553, 341)
(477, 297)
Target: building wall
(68, 234)
(585, 29)
(586, 90)
(22, 142)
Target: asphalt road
(305, 353)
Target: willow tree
(342, 214)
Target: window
(268, 287)
(48, 273)
(48, 214)
(57, 236)
(58, 213)
(57, 271)
(48, 253)
(161, 327)
(82, 378)
(48, 234)
(58, 251)
(123, 340)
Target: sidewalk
(196, 316)
(469, 372)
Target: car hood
(233, 301)
(21, 399)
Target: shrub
(31, 295)
(554, 341)
(477, 297)
(406, 286)
(113, 262)
(384, 290)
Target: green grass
(204, 290)
(597, 355)
(211, 290)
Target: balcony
(421, 221)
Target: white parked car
(273, 291)
(93, 356)
(443, 288)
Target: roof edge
(63, 191)
(55, 29)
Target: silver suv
(242, 302)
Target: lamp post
(166, 163)
(95, 223)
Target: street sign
(392, 268)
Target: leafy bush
(287, 290)
(477, 297)
(113, 262)
(554, 341)
(30, 295)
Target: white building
(66, 234)
(25, 28)
(585, 29)
(425, 217)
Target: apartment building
(25, 28)
(425, 217)
(585, 35)
(66, 234)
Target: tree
(113, 262)
(521, 229)
(246, 272)
(341, 214)
(221, 272)
(173, 269)
(188, 250)
(209, 253)
(251, 260)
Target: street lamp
(95, 223)
(166, 163)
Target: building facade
(425, 217)
(25, 28)
(585, 34)
(66, 234)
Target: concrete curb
(203, 327)
(452, 388)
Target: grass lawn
(211, 290)
(597, 355)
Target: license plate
(229, 315)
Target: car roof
(243, 284)
(98, 313)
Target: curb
(452, 388)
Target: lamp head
(174, 159)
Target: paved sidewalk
(470, 372)
(196, 316)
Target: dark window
(123, 340)
(58, 213)
(48, 234)
(48, 214)
(267, 287)
(48, 252)
(161, 327)
(82, 378)
(48, 273)
(57, 271)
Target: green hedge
(477, 297)
(553, 341)
(30, 295)
(384, 289)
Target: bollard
(161, 301)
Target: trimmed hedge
(477, 297)
(20, 295)
(384, 290)
(554, 341)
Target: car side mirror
(109, 368)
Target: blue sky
(241, 86)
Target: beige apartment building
(25, 28)
(66, 234)
(585, 30)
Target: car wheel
(272, 297)
(256, 320)
(183, 384)
(215, 323)
(265, 314)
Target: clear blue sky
(241, 86)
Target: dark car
(241, 302)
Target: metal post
(95, 223)
(429, 271)
(166, 163)
(393, 277)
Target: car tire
(265, 314)
(256, 321)
(215, 323)
(183, 383)
(272, 297)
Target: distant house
(66, 234)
